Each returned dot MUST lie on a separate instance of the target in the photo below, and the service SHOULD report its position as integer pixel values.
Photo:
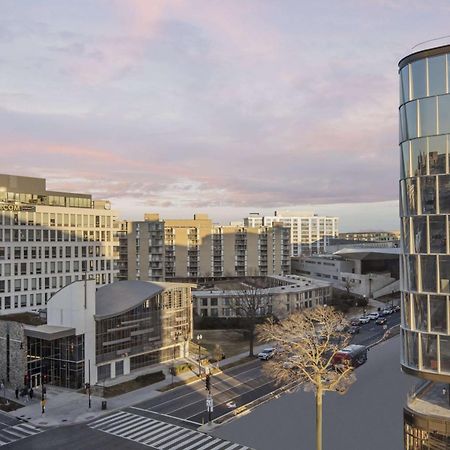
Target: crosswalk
(160, 435)
(17, 432)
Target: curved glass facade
(424, 209)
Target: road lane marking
(165, 415)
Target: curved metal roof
(121, 296)
(429, 52)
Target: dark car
(381, 321)
(354, 322)
(353, 330)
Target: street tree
(252, 304)
(306, 343)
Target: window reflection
(429, 352)
(428, 275)
(444, 193)
(405, 235)
(420, 308)
(444, 114)
(444, 273)
(411, 120)
(404, 160)
(419, 150)
(419, 78)
(411, 196)
(428, 194)
(444, 348)
(437, 154)
(404, 84)
(412, 272)
(438, 313)
(406, 311)
(420, 234)
(436, 75)
(438, 239)
(428, 116)
(412, 350)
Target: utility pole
(89, 384)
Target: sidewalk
(65, 406)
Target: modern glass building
(424, 210)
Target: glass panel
(420, 234)
(429, 352)
(404, 160)
(438, 313)
(444, 193)
(420, 308)
(405, 235)
(419, 78)
(428, 266)
(407, 309)
(404, 85)
(411, 196)
(428, 116)
(411, 119)
(445, 353)
(436, 75)
(412, 272)
(438, 238)
(419, 149)
(437, 151)
(403, 131)
(444, 114)
(428, 192)
(444, 273)
(403, 202)
(412, 350)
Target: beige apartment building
(154, 249)
(49, 239)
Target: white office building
(48, 240)
(309, 232)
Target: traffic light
(208, 382)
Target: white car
(266, 354)
(373, 316)
(364, 319)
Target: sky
(220, 106)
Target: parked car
(373, 316)
(353, 330)
(364, 319)
(355, 322)
(386, 312)
(381, 321)
(266, 354)
(396, 308)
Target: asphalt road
(183, 409)
(369, 416)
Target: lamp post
(364, 305)
(199, 338)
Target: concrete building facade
(424, 210)
(49, 239)
(308, 232)
(287, 294)
(156, 249)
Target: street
(369, 416)
(170, 420)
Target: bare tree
(306, 344)
(252, 304)
(348, 284)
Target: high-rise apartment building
(308, 232)
(424, 210)
(49, 239)
(156, 249)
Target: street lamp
(199, 338)
(364, 305)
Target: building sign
(15, 208)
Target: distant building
(424, 209)
(364, 272)
(372, 236)
(120, 329)
(156, 249)
(308, 232)
(49, 239)
(286, 294)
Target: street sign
(209, 403)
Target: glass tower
(424, 210)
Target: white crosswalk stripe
(158, 434)
(15, 433)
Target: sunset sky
(225, 107)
